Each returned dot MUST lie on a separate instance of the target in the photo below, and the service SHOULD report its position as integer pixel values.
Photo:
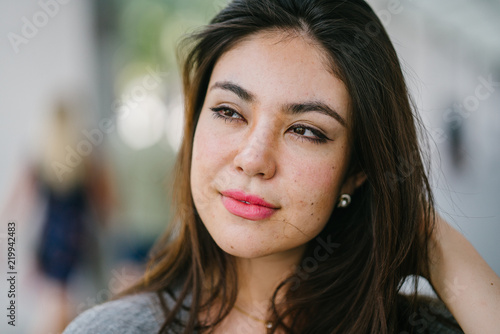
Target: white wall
(57, 59)
(445, 47)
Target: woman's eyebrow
(293, 108)
(236, 89)
(299, 108)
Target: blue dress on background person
(62, 241)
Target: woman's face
(271, 147)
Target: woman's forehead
(281, 67)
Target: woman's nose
(256, 154)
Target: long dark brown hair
(372, 245)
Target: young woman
(294, 214)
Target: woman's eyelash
(321, 138)
(219, 112)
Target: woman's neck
(258, 278)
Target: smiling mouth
(247, 210)
(247, 206)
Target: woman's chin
(244, 251)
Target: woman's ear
(353, 182)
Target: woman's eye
(226, 113)
(306, 133)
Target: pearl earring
(344, 201)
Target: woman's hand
(464, 281)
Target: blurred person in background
(456, 145)
(71, 182)
(65, 229)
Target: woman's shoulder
(140, 313)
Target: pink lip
(256, 209)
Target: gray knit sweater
(140, 314)
(130, 315)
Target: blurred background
(90, 123)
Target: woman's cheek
(214, 142)
(323, 185)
